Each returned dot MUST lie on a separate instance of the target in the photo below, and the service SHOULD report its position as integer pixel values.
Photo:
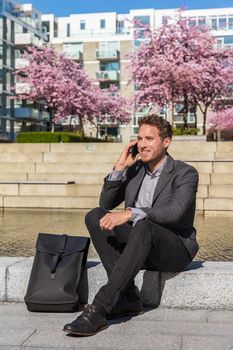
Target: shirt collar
(158, 171)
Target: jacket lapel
(164, 176)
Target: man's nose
(142, 143)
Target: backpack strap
(57, 257)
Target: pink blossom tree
(220, 120)
(66, 89)
(177, 63)
(110, 107)
(59, 81)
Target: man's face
(151, 147)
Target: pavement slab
(157, 329)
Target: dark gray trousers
(125, 250)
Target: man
(155, 231)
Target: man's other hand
(111, 220)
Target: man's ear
(166, 142)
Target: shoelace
(88, 311)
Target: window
(108, 45)
(222, 24)
(102, 23)
(230, 23)
(82, 25)
(202, 21)
(68, 29)
(164, 20)
(219, 42)
(228, 40)
(110, 66)
(120, 27)
(143, 19)
(214, 23)
(192, 22)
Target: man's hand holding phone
(128, 157)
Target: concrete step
(202, 166)
(103, 147)
(80, 157)
(224, 167)
(54, 202)
(226, 147)
(224, 155)
(70, 190)
(80, 178)
(221, 191)
(192, 147)
(203, 285)
(221, 179)
(192, 156)
(11, 175)
(17, 167)
(24, 147)
(202, 191)
(204, 178)
(218, 204)
(10, 157)
(73, 167)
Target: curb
(203, 285)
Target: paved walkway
(159, 329)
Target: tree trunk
(195, 117)
(185, 112)
(97, 131)
(204, 123)
(81, 125)
(70, 124)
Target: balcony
(27, 113)
(24, 39)
(107, 55)
(20, 63)
(22, 88)
(74, 55)
(112, 75)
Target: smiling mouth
(144, 152)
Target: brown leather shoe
(126, 307)
(90, 322)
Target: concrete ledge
(203, 285)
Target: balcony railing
(20, 63)
(27, 39)
(30, 113)
(112, 75)
(107, 54)
(74, 55)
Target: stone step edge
(203, 285)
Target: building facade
(101, 42)
(20, 25)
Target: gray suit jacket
(173, 201)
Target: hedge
(190, 131)
(53, 137)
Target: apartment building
(20, 25)
(101, 42)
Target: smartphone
(134, 150)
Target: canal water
(19, 230)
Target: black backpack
(58, 280)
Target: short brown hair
(164, 127)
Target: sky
(65, 7)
